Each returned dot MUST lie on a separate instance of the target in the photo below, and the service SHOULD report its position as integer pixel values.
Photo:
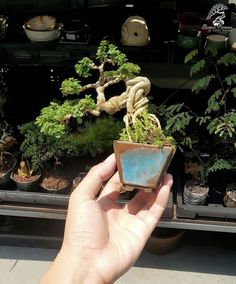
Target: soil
(196, 187)
(54, 183)
(21, 179)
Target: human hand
(103, 239)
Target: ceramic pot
(188, 38)
(230, 196)
(217, 41)
(26, 184)
(195, 193)
(164, 240)
(142, 165)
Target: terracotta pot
(142, 165)
(164, 240)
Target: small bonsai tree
(109, 68)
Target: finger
(112, 188)
(91, 184)
(155, 206)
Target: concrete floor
(202, 257)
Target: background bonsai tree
(217, 78)
(110, 67)
(7, 140)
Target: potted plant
(216, 78)
(24, 176)
(116, 87)
(41, 157)
(7, 159)
(7, 141)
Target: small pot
(140, 165)
(230, 196)
(217, 41)
(188, 38)
(26, 184)
(55, 184)
(195, 193)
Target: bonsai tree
(111, 72)
(7, 141)
(217, 78)
(208, 132)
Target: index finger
(91, 184)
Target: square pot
(142, 165)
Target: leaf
(231, 80)
(189, 57)
(233, 90)
(228, 59)
(202, 83)
(197, 67)
(213, 102)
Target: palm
(113, 235)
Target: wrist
(70, 269)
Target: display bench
(54, 206)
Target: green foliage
(39, 148)
(190, 56)
(144, 131)
(219, 116)
(199, 65)
(202, 83)
(70, 86)
(53, 119)
(96, 137)
(176, 121)
(219, 164)
(228, 59)
(83, 67)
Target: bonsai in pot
(116, 87)
(7, 141)
(216, 78)
(7, 159)
(41, 158)
(24, 176)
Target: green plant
(6, 142)
(220, 80)
(109, 68)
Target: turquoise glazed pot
(142, 165)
